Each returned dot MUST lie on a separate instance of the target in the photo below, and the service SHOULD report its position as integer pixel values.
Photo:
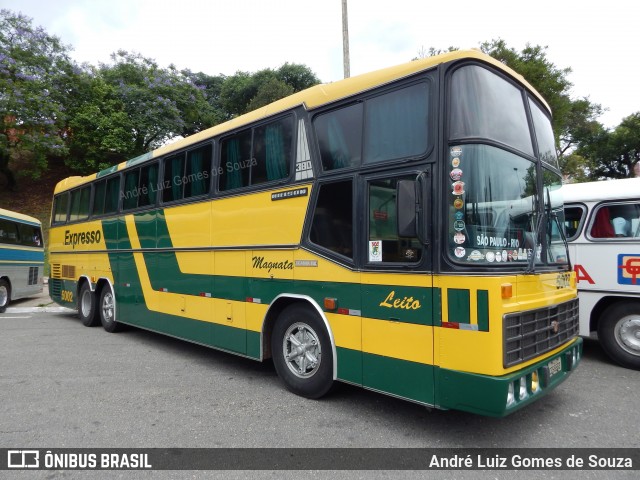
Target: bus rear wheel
(302, 353)
(5, 295)
(107, 309)
(619, 333)
(87, 306)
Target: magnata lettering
(406, 303)
(259, 262)
(82, 238)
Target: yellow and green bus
(21, 257)
(393, 230)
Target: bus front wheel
(302, 353)
(619, 333)
(108, 310)
(87, 306)
(5, 295)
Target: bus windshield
(497, 213)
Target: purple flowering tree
(33, 65)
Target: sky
(600, 42)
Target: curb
(40, 310)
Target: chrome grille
(534, 332)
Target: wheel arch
(603, 304)
(277, 306)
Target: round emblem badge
(458, 188)
(455, 174)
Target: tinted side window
(340, 137)
(99, 189)
(112, 195)
(573, 218)
(173, 188)
(8, 232)
(396, 124)
(80, 204)
(198, 175)
(29, 235)
(61, 203)
(332, 224)
(131, 190)
(258, 155)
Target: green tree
(33, 71)
(243, 92)
(612, 154)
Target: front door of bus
(397, 296)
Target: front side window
(384, 243)
(544, 136)
(573, 218)
(332, 224)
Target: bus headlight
(523, 393)
(535, 382)
(511, 397)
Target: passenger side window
(573, 217)
(259, 155)
(616, 220)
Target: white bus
(602, 221)
(21, 257)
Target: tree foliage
(93, 117)
(613, 154)
(34, 67)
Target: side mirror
(406, 197)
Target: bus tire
(302, 353)
(619, 333)
(87, 306)
(107, 308)
(5, 295)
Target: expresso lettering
(82, 238)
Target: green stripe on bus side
(164, 272)
(483, 310)
(458, 305)
(349, 365)
(411, 380)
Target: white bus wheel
(619, 333)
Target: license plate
(555, 366)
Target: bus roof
(8, 214)
(601, 190)
(311, 98)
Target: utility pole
(345, 40)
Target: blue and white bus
(21, 257)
